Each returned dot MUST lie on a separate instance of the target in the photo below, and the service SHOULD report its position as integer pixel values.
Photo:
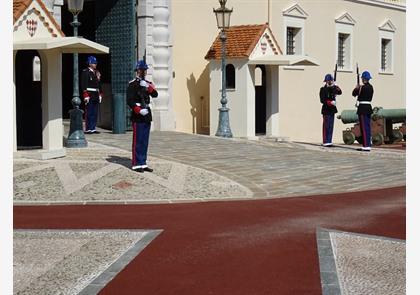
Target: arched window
(36, 69)
(258, 77)
(230, 76)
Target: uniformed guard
(364, 95)
(139, 92)
(327, 95)
(92, 94)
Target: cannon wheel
(397, 135)
(378, 139)
(349, 137)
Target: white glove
(144, 112)
(356, 104)
(87, 100)
(100, 99)
(144, 84)
(333, 102)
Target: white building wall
(239, 115)
(248, 82)
(214, 93)
(273, 115)
(52, 122)
(299, 107)
(299, 96)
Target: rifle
(358, 75)
(335, 72)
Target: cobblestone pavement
(196, 167)
(69, 261)
(352, 263)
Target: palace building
(278, 53)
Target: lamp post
(76, 136)
(223, 21)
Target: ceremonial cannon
(381, 126)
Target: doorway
(260, 100)
(28, 100)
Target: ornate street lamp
(223, 21)
(76, 136)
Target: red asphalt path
(233, 248)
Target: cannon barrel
(348, 116)
(395, 115)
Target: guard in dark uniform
(139, 92)
(327, 95)
(92, 94)
(364, 95)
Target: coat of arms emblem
(31, 26)
(263, 46)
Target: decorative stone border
(327, 267)
(327, 261)
(106, 276)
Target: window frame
(386, 35)
(298, 24)
(345, 29)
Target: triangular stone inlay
(388, 26)
(295, 11)
(346, 18)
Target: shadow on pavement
(123, 161)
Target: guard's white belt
(92, 89)
(364, 102)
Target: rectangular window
(385, 55)
(343, 58)
(294, 41)
(291, 40)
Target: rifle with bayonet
(358, 83)
(357, 73)
(335, 72)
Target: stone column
(52, 122)
(144, 33)
(163, 116)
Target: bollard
(118, 114)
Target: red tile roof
(20, 6)
(240, 42)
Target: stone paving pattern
(103, 174)
(65, 262)
(275, 169)
(195, 167)
(368, 265)
(189, 168)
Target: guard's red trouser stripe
(133, 148)
(86, 117)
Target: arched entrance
(28, 99)
(260, 100)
